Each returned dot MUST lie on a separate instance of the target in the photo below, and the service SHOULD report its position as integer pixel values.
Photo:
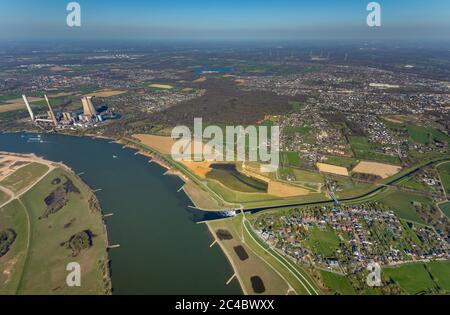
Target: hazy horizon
(225, 20)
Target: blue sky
(225, 19)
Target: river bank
(44, 233)
(152, 222)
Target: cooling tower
(88, 107)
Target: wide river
(162, 250)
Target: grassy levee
(297, 277)
(24, 176)
(44, 270)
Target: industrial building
(89, 116)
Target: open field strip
(106, 93)
(161, 86)
(333, 169)
(375, 168)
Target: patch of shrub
(7, 238)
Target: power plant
(89, 116)
(88, 107)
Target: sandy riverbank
(228, 255)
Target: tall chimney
(30, 111)
(52, 114)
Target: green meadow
(38, 258)
(337, 283)
(417, 278)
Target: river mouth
(162, 249)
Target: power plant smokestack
(30, 111)
(52, 114)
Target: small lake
(162, 248)
(212, 70)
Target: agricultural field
(333, 169)
(379, 169)
(105, 93)
(161, 86)
(425, 135)
(280, 189)
(417, 134)
(343, 161)
(290, 158)
(16, 103)
(421, 277)
(402, 204)
(363, 149)
(53, 102)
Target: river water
(162, 250)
